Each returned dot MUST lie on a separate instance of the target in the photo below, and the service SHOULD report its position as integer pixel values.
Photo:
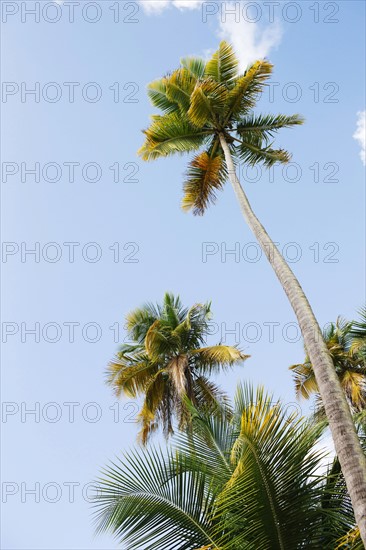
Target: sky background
(144, 244)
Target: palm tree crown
(346, 347)
(249, 482)
(168, 361)
(201, 101)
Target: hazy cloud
(360, 134)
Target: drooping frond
(156, 404)
(129, 373)
(252, 154)
(223, 66)
(205, 176)
(304, 379)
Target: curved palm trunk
(346, 442)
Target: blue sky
(129, 240)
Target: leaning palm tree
(167, 361)
(253, 481)
(209, 107)
(349, 363)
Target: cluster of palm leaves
(254, 480)
(247, 476)
(167, 360)
(202, 101)
(346, 342)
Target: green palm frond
(223, 66)
(148, 501)
(246, 480)
(264, 127)
(157, 92)
(274, 461)
(169, 134)
(247, 87)
(194, 65)
(253, 154)
(179, 87)
(207, 101)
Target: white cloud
(157, 6)
(187, 4)
(154, 6)
(250, 40)
(360, 134)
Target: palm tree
(252, 481)
(358, 334)
(167, 361)
(208, 106)
(345, 347)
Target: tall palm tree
(208, 106)
(253, 481)
(350, 365)
(167, 361)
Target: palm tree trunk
(346, 442)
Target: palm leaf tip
(223, 66)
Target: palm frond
(157, 92)
(179, 87)
(149, 502)
(263, 127)
(194, 65)
(253, 153)
(215, 358)
(170, 134)
(247, 88)
(223, 66)
(205, 176)
(208, 100)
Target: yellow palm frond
(208, 99)
(223, 355)
(205, 175)
(129, 379)
(304, 379)
(244, 94)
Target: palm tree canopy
(346, 344)
(252, 481)
(167, 360)
(201, 100)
